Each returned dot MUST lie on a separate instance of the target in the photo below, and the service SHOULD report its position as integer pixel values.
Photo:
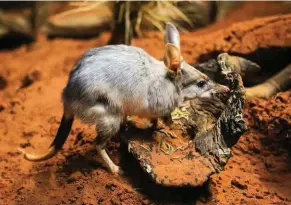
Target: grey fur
(121, 80)
(125, 80)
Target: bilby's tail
(57, 144)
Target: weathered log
(230, 125)
(80, 22)
(197, 143)
(239, 65)
(22, 20)
(15, 24)
(279, 82)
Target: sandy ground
(33, 76)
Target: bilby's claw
(116, 170)
(113, 168)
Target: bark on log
(230, 125)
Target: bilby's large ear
(172, 58)
(172, 35)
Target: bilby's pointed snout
(221, 88)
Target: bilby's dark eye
(201, 83)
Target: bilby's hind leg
(107, 126)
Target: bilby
(111, 82)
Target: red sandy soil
(259, 171)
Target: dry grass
(139, 15)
